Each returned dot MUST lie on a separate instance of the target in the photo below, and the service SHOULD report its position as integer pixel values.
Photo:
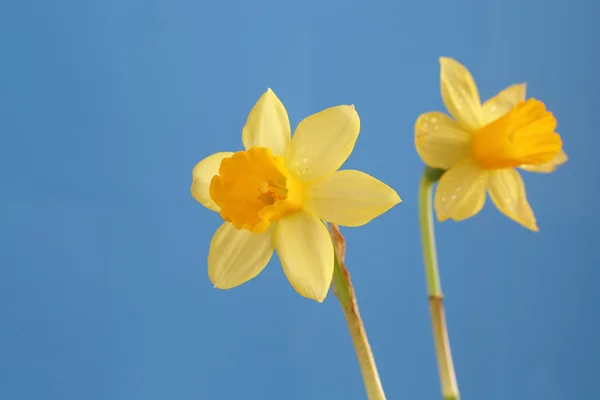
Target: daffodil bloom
(275, 194)
(482, 147)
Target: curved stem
(434, 288)
(344, 291)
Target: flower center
(524, 135)
(254, 188)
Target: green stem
(344, 291)
(434, 288)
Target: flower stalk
(342, 287)
(447, 375)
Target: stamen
(277, 184)
(271, 191)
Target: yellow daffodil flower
(274, 194)
(484, 144)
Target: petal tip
(395, 198)
(215, 282)
(350, 111)
(319, 297)
(442, 218)
(352, 108)
(446, 60)
(269, 93)
(310, 293)
(214, 279)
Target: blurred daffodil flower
(484, 144)
(274, 194)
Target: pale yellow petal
(440, 141)
(507, 191)
(323, 142)
(268, 125)
(349, 198)
(236, 256)
(202, 175)
(503, 102)
(460, 94)
(461, 191)
(550, 166)
(306, 253)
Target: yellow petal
(550, 166)
(503, 102)
(440, 141)
(268, 125)
(323, 142)
(460, 94)
(461, 191)
(349, 198)
(202, 175)
(507, 191)
(306, 253)
(236, 256)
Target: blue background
(106, 106)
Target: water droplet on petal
(306, 171)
